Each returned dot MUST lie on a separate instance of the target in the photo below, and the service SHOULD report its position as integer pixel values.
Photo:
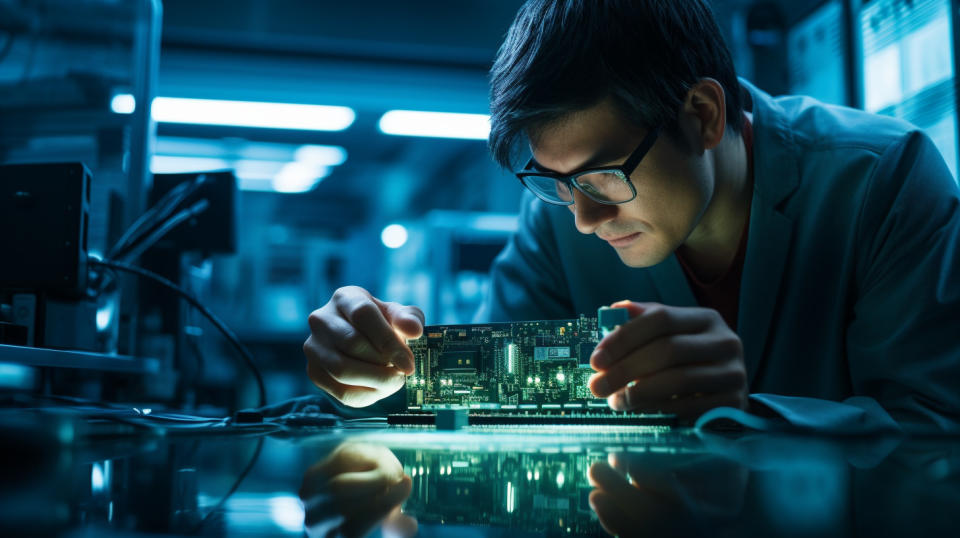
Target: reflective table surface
(480, 481)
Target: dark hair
(561, 56)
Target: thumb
(633, 309)
(407, 321)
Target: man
(778, 256)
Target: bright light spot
(421, 469)
(123, 103)
(536, 475)
(435, 124)
(394, 236)
(96, 478)
(321, 155)
(529, 380)
(560, 377)
(536, 379)
(287, 512)
(560, 479)
(104, 315)
(298, 177)
(16, 376)
(252, 114)
(529, 475)
(413, 472)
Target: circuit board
(527, 366)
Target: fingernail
(600, 359)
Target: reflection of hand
(355, 488)
(678, 360)
(642, 494)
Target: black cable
(155, 216)
(220, 325)
(160, 231)
(233, 489)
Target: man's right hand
(357, 349)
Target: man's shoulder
(820, 127)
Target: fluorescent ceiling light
(176, 164)
(435, 124)
(234, 148)
(252, 114)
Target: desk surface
(559, 481)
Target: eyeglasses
(605, 185)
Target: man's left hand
(675, 360)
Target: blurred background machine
(335, 149)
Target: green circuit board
(520, 366)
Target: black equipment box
(44, 215)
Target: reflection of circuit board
(524, 366)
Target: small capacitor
(609, 319)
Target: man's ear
(706, 106)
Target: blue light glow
(123, 103)
(394, 236)
(252, 114)
(435, 124)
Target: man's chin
(639, 258)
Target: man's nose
(589, 215)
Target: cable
(155, 216)
(220, 325)
(140, 246)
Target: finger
(681, 382)
(350, 395)
(364, 314)
(351, 457)
(688, 380)
(611, 517)
(349, 371)
(653, 322)
(609, 480)
(365, 516)
(664, 365)
(651, 475)
(328, 328)
(656, 355)
(350, 486)
(399, 524)
(408, 320)
(687, 408)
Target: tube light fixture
(435, 124)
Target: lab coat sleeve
(527, 280)
(903, 339)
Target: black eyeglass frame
(622, 171)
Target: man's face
(673, 186)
